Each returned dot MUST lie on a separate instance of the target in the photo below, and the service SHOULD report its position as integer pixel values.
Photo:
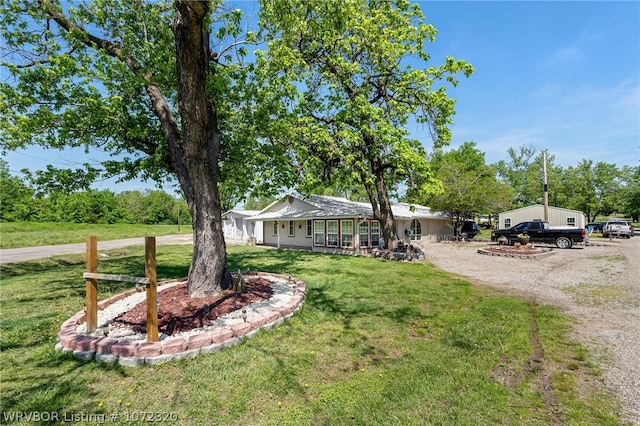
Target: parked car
(619, 228)
(595, 226)
(469, 229)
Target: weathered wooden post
(152, 288)
(92, 283)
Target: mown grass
(376, 343)
(30, 234)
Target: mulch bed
(178, 312)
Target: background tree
(15, 196)
(523, 171)
(362, 72)
(470, 186)
(628, 196)
(156, 84)
(591, 188)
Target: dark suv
(469, 229)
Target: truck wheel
(564, 242)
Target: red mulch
(179, 312)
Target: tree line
(471, 187)
(22, 201)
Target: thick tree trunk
(381, 205)
(200, 144)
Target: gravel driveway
(598, 285)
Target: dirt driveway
(598, 285)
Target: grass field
(30, 234)
(376, 343)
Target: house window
(292, 228)
(309, 233)
(416, 230)
(363, 230)
(507, 222)
(275, 228)
(571, 221)
(375, 233)
(318, 232)
(346, 233)
(332, 233)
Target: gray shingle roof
(322, 207)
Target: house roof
(539, 206)
(230, 214)
(322, 207)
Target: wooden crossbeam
(112, 277)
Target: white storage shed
(557, 216)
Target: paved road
(31, 253)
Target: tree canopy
(470, 185)
(353, 74)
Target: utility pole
(544, 186)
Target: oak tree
(155, 84)
(352, 74)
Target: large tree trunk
(381, 205)
(200, 140)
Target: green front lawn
(30, 234)
(377, 342)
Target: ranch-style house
(337, 225)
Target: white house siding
(432, 231)
(236, 226)
(557, 216)
(298, 240)
(233, 228)
(348, 215)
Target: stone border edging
(516, 255)
(135, 353)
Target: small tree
(470, 185)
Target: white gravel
(597, 285)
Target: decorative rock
(199, 340)
(191, 353)
(173, 346)
(84, 355)
(104, 345)
(82, 343)
(252, 333)
(215, 347)
(130, 361)
(220, 335)
(106, 358)
(241, 329)
(124, 348)
(148, 349)
(160, 359)
(257, 322)
(231, 342)
(65, 337)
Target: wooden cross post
(152, 288)
(92, 284)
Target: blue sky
(561, 76)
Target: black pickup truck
(541, 232)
